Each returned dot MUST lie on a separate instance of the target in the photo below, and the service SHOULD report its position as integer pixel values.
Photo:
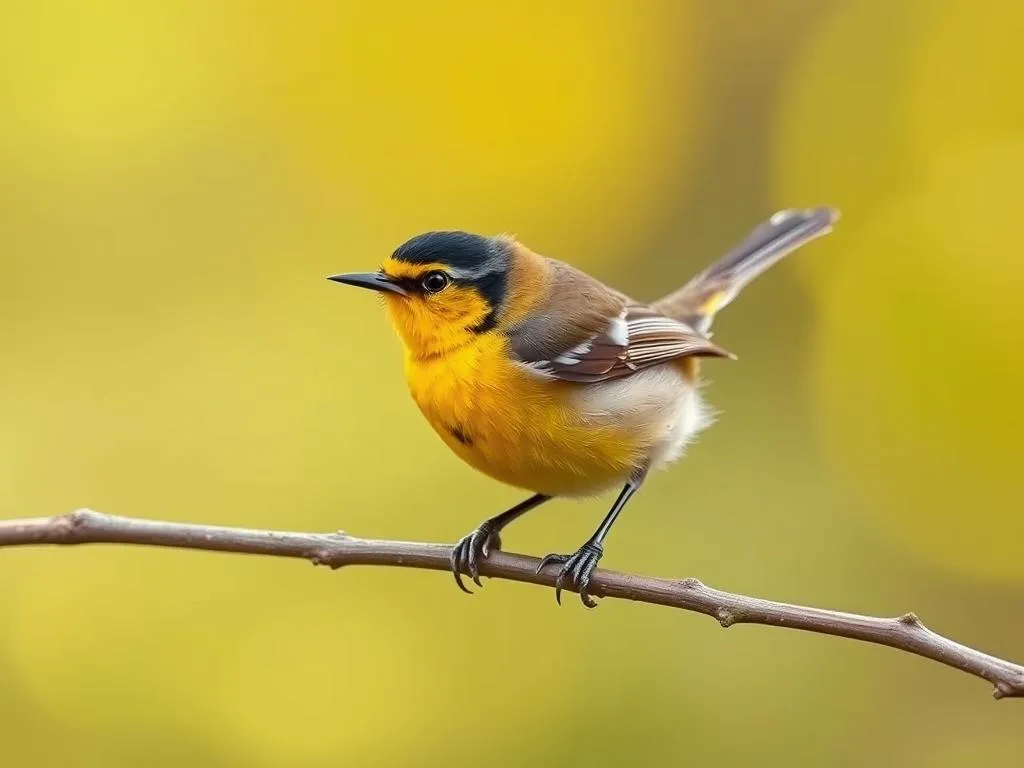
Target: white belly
(659, 405)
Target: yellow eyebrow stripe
(403, 269)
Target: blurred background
(179, 177)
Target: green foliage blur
(179, 177)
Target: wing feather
(637, 338)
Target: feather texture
(697, 302)
(638, 337)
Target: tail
(697, 302)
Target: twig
(905, 633)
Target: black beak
(375, 281)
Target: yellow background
(178, 178)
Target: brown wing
(579, 329)
(635, 339)
(571, 310)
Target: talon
(492, 542)
(457, 573)
(467, 553)
(458, 562)
(576, 568)
(474, 568)
(471, 566)
(549, 559)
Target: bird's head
(442, 289)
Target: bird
(546, 379)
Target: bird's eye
(434, 282)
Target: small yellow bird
(544, 378)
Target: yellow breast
(517, 427)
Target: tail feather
(697, 302)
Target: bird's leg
(472, 548)
(576, 568)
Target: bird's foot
(576, 571)
(470, 550)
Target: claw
(466, 555)
(577, 569)
(456, 563)
(474, 568)
(458, 580)
(549, 559)
(585, 597)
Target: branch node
(67, 527)
(725, 617)
(328, 555)
(325, 557)
(910, 620)
(1010, 688)
(690, 583)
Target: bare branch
(905, 633)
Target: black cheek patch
(492, 287)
